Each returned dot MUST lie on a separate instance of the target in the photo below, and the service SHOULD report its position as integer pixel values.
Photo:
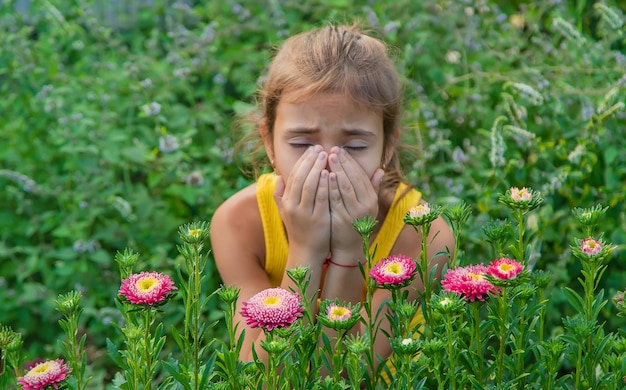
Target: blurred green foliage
(114, 135)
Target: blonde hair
(337, 59)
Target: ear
(268, 141)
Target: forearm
(302, 259)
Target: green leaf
(574, 299)
(115, 355)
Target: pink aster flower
(419, 211)
(393, 271)
(469, 281)
(338, 313)
(590, 246)
(520, 194)
(42, 375)
(504, 268)
(147, 288)
(272, 308)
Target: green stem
(476, 341)
(401, 325)
(437, 368)
(196, 314)
(579, 361)
(76, 354)
(457, 246)
(520, 342)
(451, 353)
(504, 314)
(353, 371)
(370, 354)
(425, 275)
(272, 375)
(134, 368)
(519, 215)
(230, 310)
(590, 283)
(148, 356)
(337, 359)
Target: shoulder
(234, 222)
(237, 210)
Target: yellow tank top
(276, 245)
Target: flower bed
(482, 324)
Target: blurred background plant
(117, 125)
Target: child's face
(326, 119)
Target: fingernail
(318, 148)
(322, 156)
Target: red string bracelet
(330, 261)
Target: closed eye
(300, 145)
(355, 148)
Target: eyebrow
(349, 132)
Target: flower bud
(194, 233)
(69, 303)
(523, 199)
(365, 226)
(228, 294)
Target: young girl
(330, 125)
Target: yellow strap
(394, 221)
(276, 245)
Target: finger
(337, 201)
(344, 183)
(322, 194)
(353, 170)
(279, 191)
(312, 181)
(300, 172)
(377, 179)
(334, 195)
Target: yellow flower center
(394, 268)
(271, 301)
(592, 244)
(147, 284)
(41, 368)
(338, 312)
(506, 267)
(476, 277)
(445, 301)
(194, 232)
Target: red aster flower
(147, 288)
(393, 271)
(504, 268)
(469, 281)
(272, 308)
